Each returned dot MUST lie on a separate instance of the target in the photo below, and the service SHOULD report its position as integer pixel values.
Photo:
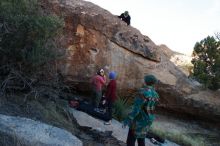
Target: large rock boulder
(94, 38)
(23, 131)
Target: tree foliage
(25, 33)
(206, 61)
(27, 49)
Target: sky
(179, 24)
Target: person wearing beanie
(125, 17)
(110, 95)
(112, 75)
(98, 82)
(142, 115)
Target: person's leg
(141, 141)
(93, 98)
(109, 113)
(131, 138)
(98, 98)
(109, 109)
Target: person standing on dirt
(110, 95)
(142, 115)
(98, 82)
(125, 17)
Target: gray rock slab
(35, 133)
(83, 119)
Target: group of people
(142, 115)
(98, 82)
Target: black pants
(131, 139)
(109, 109)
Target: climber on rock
(125, 17)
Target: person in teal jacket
(142, 115)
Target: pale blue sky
(177, 23)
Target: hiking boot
(107, 123)
(154, 141)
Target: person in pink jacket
(98, 81)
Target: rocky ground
(115, 128)
(53, 114)
(93, 132)
(26, 132)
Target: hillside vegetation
(28, 52)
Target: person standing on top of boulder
(142, 115)
(125, 17)
(98, 82)
(110, 95)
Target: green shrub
(28, 50)
(120, 109)
(25, 33)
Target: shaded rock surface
(29, 132)
(203, 105)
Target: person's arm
(121, 16)
(111, 89)
(107, 93)
(155, 101)
(102, 80)
(135, 111)
(129, 20)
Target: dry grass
(179, 137)
(185, 133)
